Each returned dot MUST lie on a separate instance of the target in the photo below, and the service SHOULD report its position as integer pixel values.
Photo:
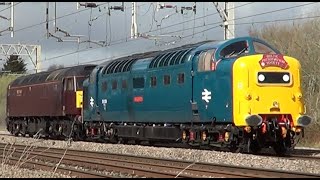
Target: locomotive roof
(173, 56)
(155, 53)
(55, 75)
(149, 59)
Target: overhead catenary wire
(235, 18)
(126, 38)
(70, 14)
(189, 35)
(267, 21)
(10, 7)
(214, 23)
(208, 29)
(43, 22)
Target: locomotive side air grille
(167, 62)
(125, 65)
(184, 56)
(170, 58)
(167, 56)
(118, 66)
(128, 68)
(154, 60)
(111, 67)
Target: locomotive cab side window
(235, 49)
(69, 86)
(205, 60)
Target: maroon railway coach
(47, 103)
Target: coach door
(69, 95)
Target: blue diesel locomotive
(240, 93)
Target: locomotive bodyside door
(203, 85)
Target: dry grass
(300, 40)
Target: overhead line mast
(134, 27)
(227, 16)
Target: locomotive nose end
(304, 120)
(254, 120)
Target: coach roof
(55, 75)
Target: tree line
(15, 64)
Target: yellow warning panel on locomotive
(79, 96)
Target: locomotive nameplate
(275, 60)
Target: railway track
(94, 162)
(298, 154)
(301, 154)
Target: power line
(121, 40)
(258, 14)
(199, 17)
(283, 9)
(34, 25)
(279, 20)
(210, 28)
(244, 17)
(198, 26)
(57, 17)
(10, 6)
(267, 21)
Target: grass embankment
(4, 82)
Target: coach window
(153, 81)
(205, 59)
(104, 86)
(124, 84)
(114, 84)
(180, 78)
(80, 83)
(69, 84)
(166, 79)
(262, 49)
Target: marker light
(261, 77)
(286, 78)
